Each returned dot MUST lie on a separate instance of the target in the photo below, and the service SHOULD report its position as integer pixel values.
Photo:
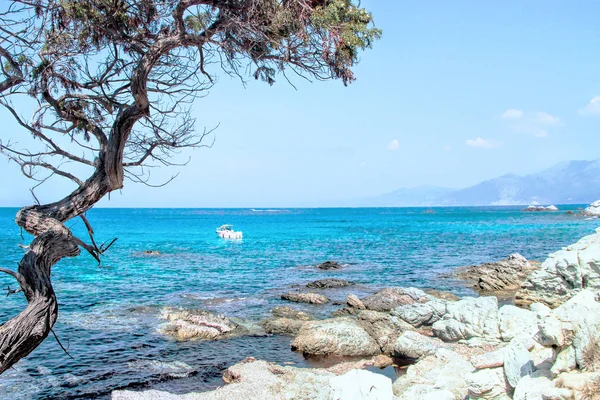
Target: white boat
(227, 232)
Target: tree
(109, 86)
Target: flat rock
(329, 265)
(563, 274)
(196, 324)
(312, 298)
(387, 299)
(328, 284)
(342, 336)
(291, 313)
(442, 295)
(282, 326)
(361, 385)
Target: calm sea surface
(109, 315)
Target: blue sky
(454, 93)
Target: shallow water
(109, 314)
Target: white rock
(538, 389)
(563, 274)
(340, 336)
(488, 384)
(593, 210)
(542, 357)
(418, 314)
(361, 385)
(467, 318)
(514, 321)
(516, 363)
(414, 345)
(541, 310)
(445, 370)
(565, 361)
(490, 359)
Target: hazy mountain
(572, 182)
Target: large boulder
(593, 210)
(311, 298)
(387, 299)
(468, 318)
(418, 314)
(575, 323)
(339, 336)
(291, 313)
(498, 277)
(563, 274)
(330, 283)
(196, 324)
(439, 376)
(383, 327)
(413, 345)
(488, 384)
(353, 301)
(514, 321)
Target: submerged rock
(330, 283)
(563, 274)
(502, 276)
(312, 298)
(285, 321)
(329, 265)
(196, 324)
(339, 336)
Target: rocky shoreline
(545, 346)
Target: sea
(110, 314)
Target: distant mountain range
(571, 182)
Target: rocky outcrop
(488, 384)
(541, 208)
(261, 380)
(468, 318)
(311, 298)
(328, 284)
(514, 321)
(285, 321)
(354, 302)
(388, 299)
(502, 277)
(329, 265)
(383, 327)
(197, 324)
(563, 274)
(443, 295)
(342, 336)
(593, 210)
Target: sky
(454, 93)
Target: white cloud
(535, 124)
(592, 108)
(393, 145)
(546, 119)
(482, 143)
(512, 114)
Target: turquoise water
(109, 314)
